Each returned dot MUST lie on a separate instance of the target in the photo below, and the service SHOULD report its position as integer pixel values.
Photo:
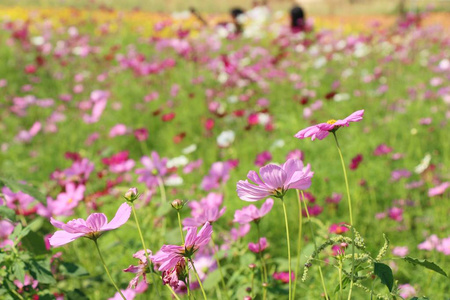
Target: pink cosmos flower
(381, 150)
(400, 251)
(283, 276)
(296, 153)
(22, 203)
(119, 163)
(356, 161)
(335, 198)
(141, 134)
(406, 290)
(92, 228)
(209, 215)
(396, 175)
(430, 243)
(263, 158)
(259, 247)
(438, 190)
(118, 130)
(218, 174)
(242, 231)
(154, 168)
(139, 270)
(252, 213)
(27, 135)
(6, 228)
(313, 210)
(444, 246)
(322, 130)
(339, 249)
(170, 255)
(275, 180)
(211, 201)
(338, 228)
(395, 213)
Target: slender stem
(171, 290)
(143, 245)
(187, 265)
(350, 213)
(179, 225)
(288, 247)
(299, 241)
(220, 268)
(263, 264)
(162, 190)
(340, 279)
(198, 279)
(315, 245)
(107, 271)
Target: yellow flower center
(70, 201)
(331, 122)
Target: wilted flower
(141, 269)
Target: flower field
(190, 156)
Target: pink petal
(121, 217)
(61, 237)
(273, 176)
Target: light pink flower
(275, 180)
(381, 150)
(218, 174)
(322, 130)
(406, 290)
(259, 247)
(430, 243)
(444, 246)
(92, 228)
(400, 251)
(251, 213)
(438, 190)
(117, 130)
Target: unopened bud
(265, 284)
(131, 195)
(252, 266)
(248, 298)
(177, 204)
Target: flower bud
(177, 204)
(252, 266)
(131, 195)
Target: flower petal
(121, 217)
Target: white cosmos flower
(225, 138)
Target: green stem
(143, 245)
(340, 279)
(350, 213)
(315, 245)
(187, 265)
(263, 264)
(179, 226)
(162, 190)
(288, 247)
(171, 290)
(220, 268)
(198, 279)
(107, 271)
(299, 241)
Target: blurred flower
(218, 174)
(283, 276)
(251, 213)
(322, 130)
(263, 158)
(400, 251)
(356, 161)
(382, 149)
(406, 290)
(141, 269)
(438, 190)
(259, 247)
(338, 228)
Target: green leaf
(76, 295)
(420, 298)
(425, 263)
(18, 269)
(384, 272)
(16, 186)
(345, 282)
(7, 213)
(40, 271)
(212, 280)
(35, 243)
(72, 270)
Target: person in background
(235, 14)
(298, 19)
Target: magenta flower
(171, 255)
(263, 158)
(283, 276)
(252, 213)
(338, 228)
(381, 150)
(92, 228)
(396, 175)
(259, 247)
(395, 213)
(335, 198)
(356, 161)
(139, 270)
(322, 130)
(313, 211)
(119, 163)
(275, 180)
